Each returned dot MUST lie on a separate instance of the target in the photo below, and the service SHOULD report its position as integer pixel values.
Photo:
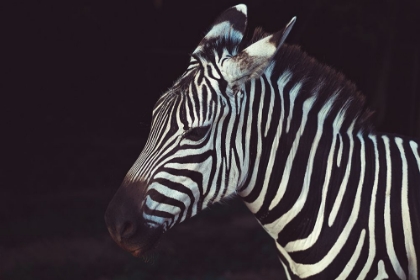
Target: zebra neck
(286, 132)
(301, 147)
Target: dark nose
(120, 229)
(123, 215)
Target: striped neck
(300, 110)
(290, 132)
(296, 104)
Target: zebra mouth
(139, 251)
(139, 245)
(136, 253)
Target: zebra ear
(252, 61)
(230, 26)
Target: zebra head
(194, 155)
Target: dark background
(78, 83)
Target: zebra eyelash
(196, 133)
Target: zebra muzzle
(125, 224)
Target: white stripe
(157, 205)
(381, 271)
(305, 243)
(291, 157)
(338, 124)
(340, 195)
(243, 158)
(285, 270)
(281, 222)
(354, 258)
(254, 174)
(256, 205)
(272, 96)
(292, 97)
(192, 110)
(406, 219)
(281, 83)
(340, 150)
(371, 225)
(222, 185)
(389, 243)
(184, 181)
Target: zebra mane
(312, 73)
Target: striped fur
(293, 138)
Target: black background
(79, 80)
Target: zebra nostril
(127, 230)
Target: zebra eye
(197, 133)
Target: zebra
(294, 139)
